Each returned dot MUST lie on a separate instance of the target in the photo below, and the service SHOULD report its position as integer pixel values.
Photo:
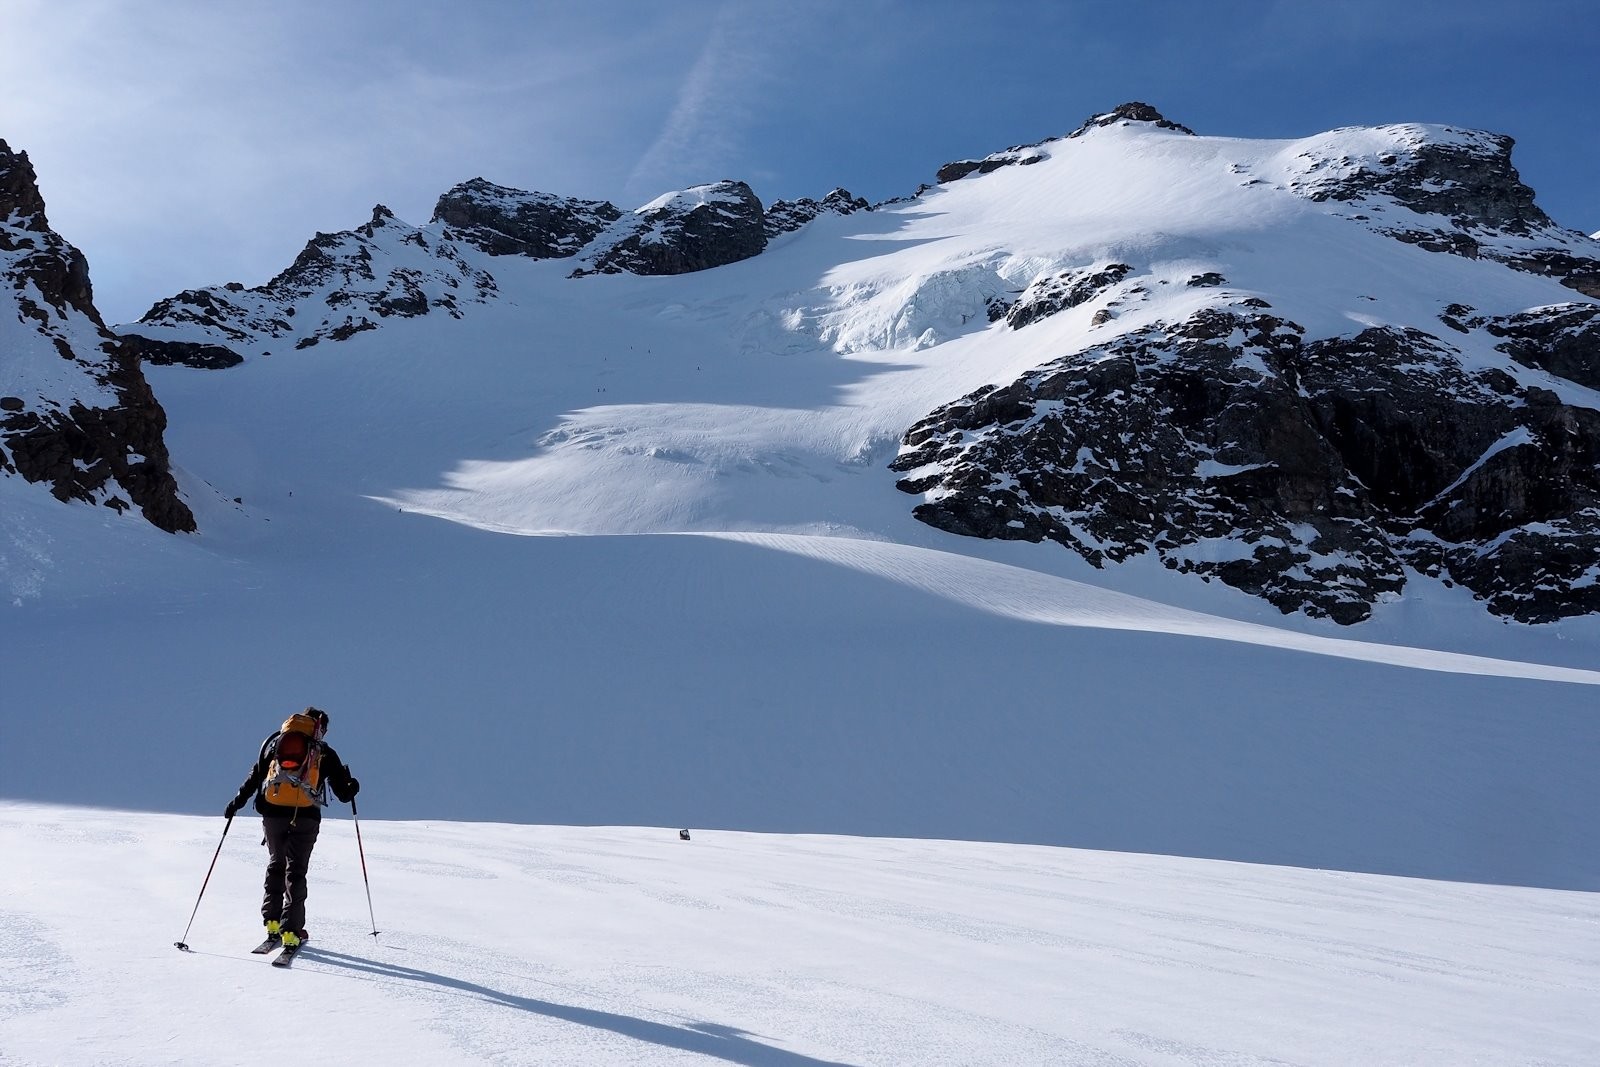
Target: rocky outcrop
(1123, 114)
(1577, 268)
(1465, 176)
(78, 415)
(1018, 156)
(1447, 190)
(1055, 293)
(180, 353)
(340, 284)
(1563, 339)
(695, 229)
(509, 222)
(1310, 473)
(1028, 154)
(786, 216)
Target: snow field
(528, 944)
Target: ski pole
(183, 945)
(363, 853)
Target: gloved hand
(354, 788)
(232, 809)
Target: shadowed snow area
(1014, 593)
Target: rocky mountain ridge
(76, 413)
(346, 283)
(1319, 462)
(340, 284)
(1310, 473)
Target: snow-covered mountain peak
(729, 195)
(504, 221)
(1130, 117)
(786, 216)
(681, 232)
(339, 285)
(1127, 114)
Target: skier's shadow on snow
(709, 1039)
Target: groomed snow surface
(507, 944)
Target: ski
(267, 946)
(286, 957)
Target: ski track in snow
(607, 945)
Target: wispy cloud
(190, 143)
(736, 68)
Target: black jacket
(334, 773)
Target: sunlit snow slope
(813, 659)
(554, 945)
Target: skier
(290, 781)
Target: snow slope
(521, 945)
(810, 658)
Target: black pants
(289, 844)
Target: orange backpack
(294, 779)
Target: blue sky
(189, 143)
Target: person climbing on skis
(290, 780)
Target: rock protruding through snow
(694, 229)
(509, 222)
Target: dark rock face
(1563, 339)
(180, 353)
(1020, 156)
(91, 430)
(1058, 292)
(1310, 473)
(1576, 271)
(786, 216)
(1470, 181)
(340, 284)
(509, 222)
(696, 229)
